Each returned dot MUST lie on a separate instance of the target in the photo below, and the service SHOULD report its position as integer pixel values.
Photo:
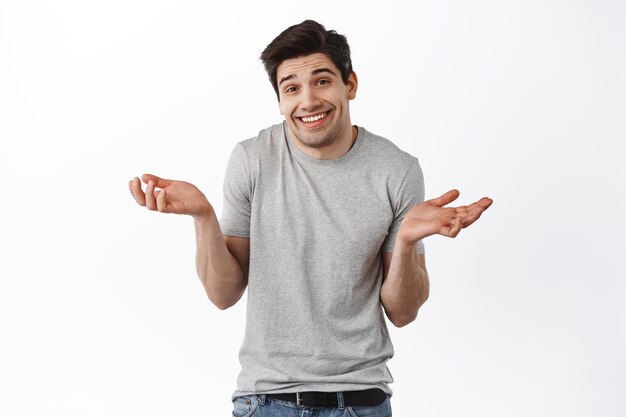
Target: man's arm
(405, 286)
(221, 262)
(405, 279)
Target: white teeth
(313, 118)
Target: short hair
(306, 38)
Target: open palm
(431, 217)
(174, 196)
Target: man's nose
(310, 100)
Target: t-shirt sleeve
(235, 220)
(410, 193)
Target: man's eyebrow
(314, 72)
(289, 77)
(321, 70)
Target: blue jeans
(263, 406)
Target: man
(323, 222)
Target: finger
(461, 210)
(137, 192)
(472, 216)
(456, 228)
(481, 205)
(158, 182)
(150, 200)
(160, 200)
(446, 198)
(485, 202)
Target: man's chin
(315, 142)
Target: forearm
(406, 286)
(221, 275)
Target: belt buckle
(298, 399)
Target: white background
(101, 313)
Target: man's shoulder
(268, 137)
(260, 147)
(386, 152)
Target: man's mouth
(314, 118)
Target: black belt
(368, 397)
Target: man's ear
(353, 84)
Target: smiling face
(314, 100)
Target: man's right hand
(177, 197)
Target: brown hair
(306, 38)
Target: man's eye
(322, 82)
(290, 90)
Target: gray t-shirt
(317, 230)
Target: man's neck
(333, 151)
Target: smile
(311, 119)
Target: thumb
(446, 198)
(158, 182)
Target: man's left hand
(431, 217)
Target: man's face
(314, 99)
